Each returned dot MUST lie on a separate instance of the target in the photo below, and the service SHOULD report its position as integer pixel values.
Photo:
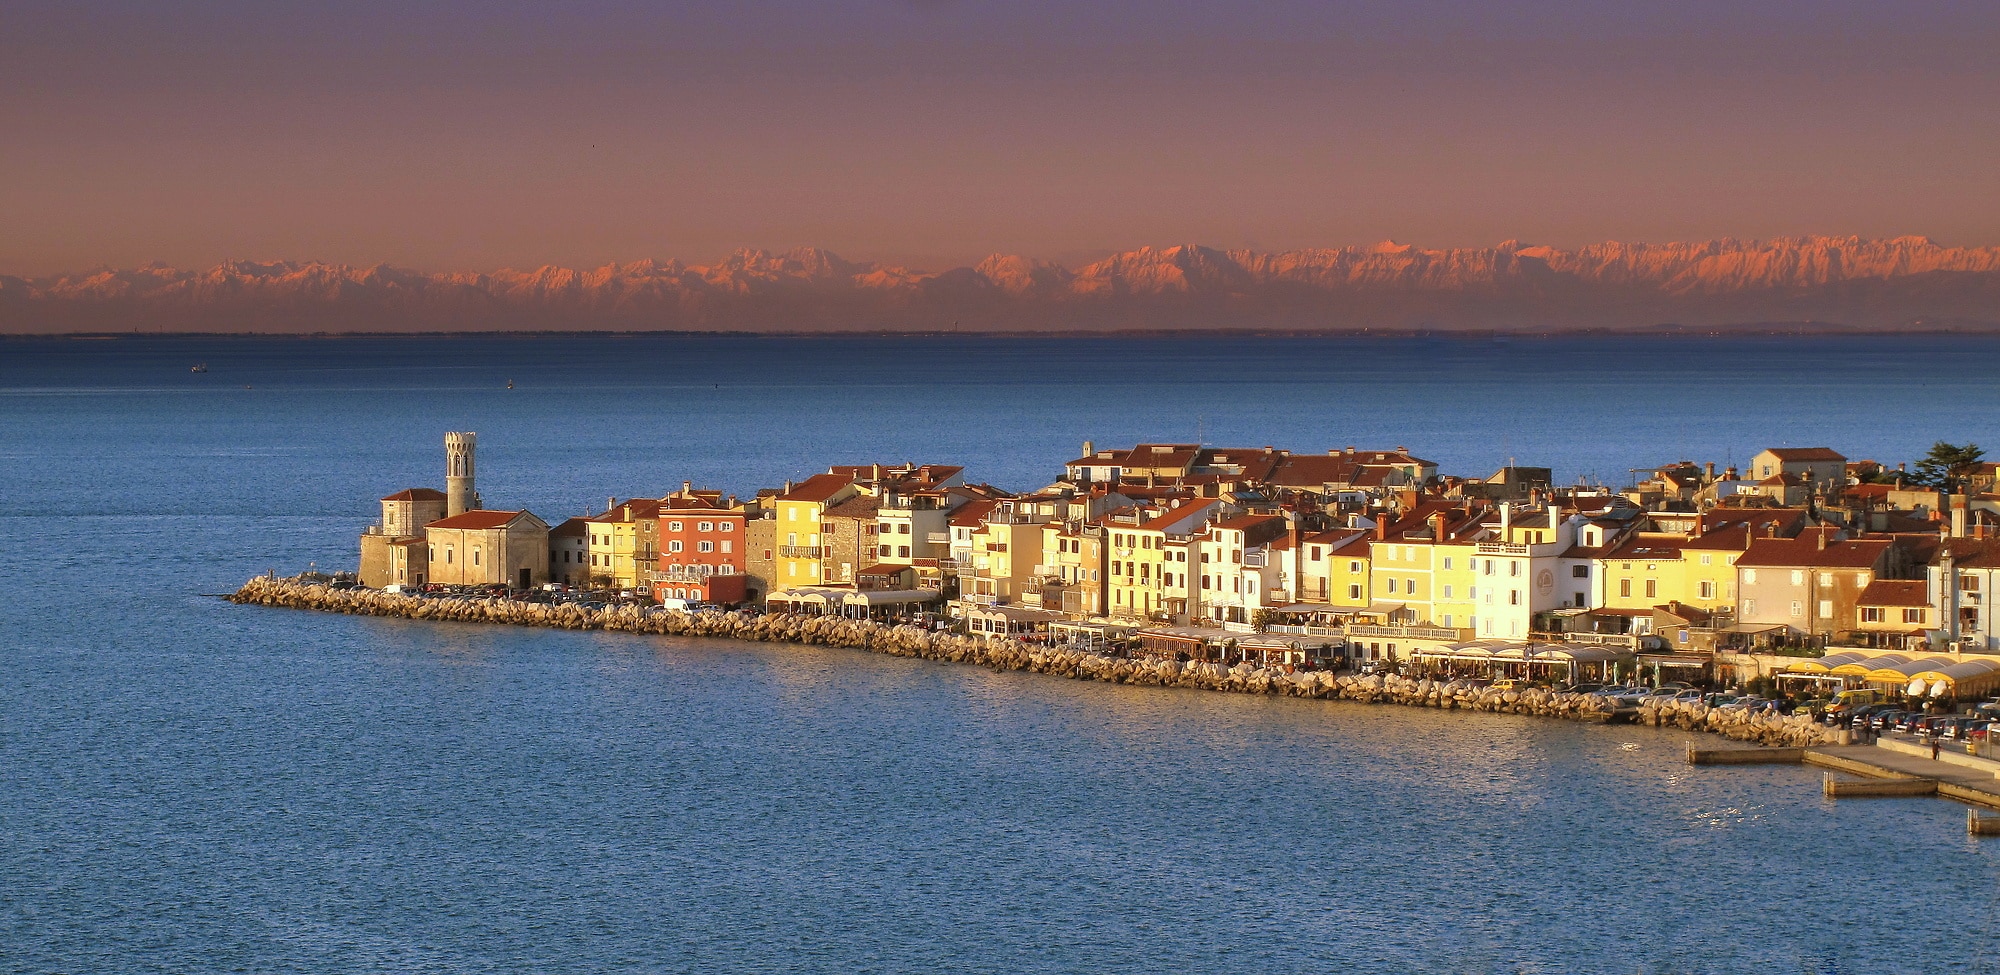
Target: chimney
(788, 487)
(1708, 472)
(610, 503)
(1350, 450)
(1089, 449)
(1958, 516)
(1382, 526)
(1819, 539)
(875, 472)
(687, 487)
(1506, 519)
(1437, 526)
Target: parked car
(1583, 688)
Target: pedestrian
(1934, 748)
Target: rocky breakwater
(910, 641)
(1797, 730)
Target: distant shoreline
(1768, 330)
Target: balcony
(1501, 548)
(799, 551)
(938, 538)
(1409, 632)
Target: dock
(1889, 767)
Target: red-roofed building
(704, 548)
(1810, 584)
(482, 547)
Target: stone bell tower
(460, 496)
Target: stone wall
(910, 641)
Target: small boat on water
(199, 367)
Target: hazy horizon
(932, 133)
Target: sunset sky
(452, 135)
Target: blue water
(189, 786)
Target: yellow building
(1650, 569)
(623, 544)
(1136, 563)
(801, 511)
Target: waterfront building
(569, 553)
(800, 508)
(1962, 576)
(387, 547)
(1808, 587)
(1236, 572)
(483, 547)
(703, 548)
(1896, 614)
(624, 544)
(849, 534)
(1006, 550)
(1136, 562)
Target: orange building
(703, 548)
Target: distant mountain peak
(1866, 282)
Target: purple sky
(460, 135)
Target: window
(705, 546)
(902, 551)
(884, 528)
(1410, 585)
(448, 553)
(707, 526)
(1826, 578)
(1354, 592)
(1513, 597)
(1447, 620)
(1968, 583)
(1706, 559)
(1707, 590)
(1798, 609)
(727, 526)
(1447, 595)
(674, 546)
(673, 526)
(1447, 564)
(1354, 567)
(1314, 552)
(1652, 588)
(475, 555)
(1915, 615)
(1392, 585)
(1798, 577)
(1513, 568)
(1749, 577)
(1204, 582)
(727, 545)
(1871, 614)
(1826, 609)
(1749, 607)
(1579, 571)
(1625, 587)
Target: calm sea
(188, 786)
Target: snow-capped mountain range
(1866, 283)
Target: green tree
(1947, 465)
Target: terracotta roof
(1647, 545)
(416, 494)
(1806, 453)
(1804, 551)
(477, 519)
(573, 528)
(1895, 592)
(627, 511)
(1177, 513)
(1780, 479)
(859, 506)
(972, 513)
(818, 487)
(1973, 553)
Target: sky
(461, 135)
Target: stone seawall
(909, 641)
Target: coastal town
(1806, 569)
